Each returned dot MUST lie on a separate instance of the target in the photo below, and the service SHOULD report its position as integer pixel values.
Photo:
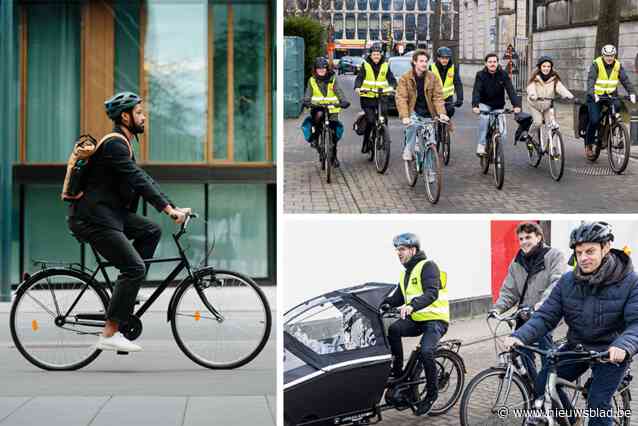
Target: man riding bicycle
(604, 74)
(531, 276)
(375, 74)
(105, 216)
(425, 310)
(599, 301)
(419, 97)
(323, 88)
(488, 95)
(449, 76)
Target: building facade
(206, 71)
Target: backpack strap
(116, 135)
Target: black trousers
(116, 247)
(369, 108)
(431, 333)
(449, 109)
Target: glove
(632, 98)
(532, 97)
(307, 104)
(491, 313)
(344, 104)
(405, 120)
(458, 103)
(476, 110)
(358, 90)
(596, 98)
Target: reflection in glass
(374, 26)
(410, 27)
(410, 4)
(397, 27)
(176, 75)
(338, 4)
(422, 27)
(386, 22)
(350, 26)
(362, 4)
(325, 19)
(219, 83)
(325, 4)
(397, 4)
(374, 4)
(337, 21)
(362, 26)
(385, 4)
(349, 4)
(422, 5)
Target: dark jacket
(392, 81)
(622, 76)
(114, 185)
(489, 89)
(458, 85)
(322, 82)
(430, 282)
(598, 313)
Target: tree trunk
(608, 24)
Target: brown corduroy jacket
(406, 94)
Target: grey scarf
(606, 270)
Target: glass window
(385, 4)
(362, 26)
(15, 235)
(250, 81)
(582, 11)
(220, 81)
(350, 4)
(422, 5)
(410, 4)
(350, 26)
(422, 27)
(338, 25)
(386, 22)
(374, 26)
(333, 326)
(325, 4)
(338, 4)
(362, 4)
(175, 62)
(397, 4)
(397, 26)
(53, 80)
(292, 361)
(410, 27)
(237, 214)
(374, 4)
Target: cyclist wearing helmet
(450, 77)
(425, 311)
(599, 301)
(604, 74)
(531, 276)
(105, 216)
(419, 97)
(374, 74)
(545, 83)
(488, 95)
(323, 87)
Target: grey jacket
(622, 75)
(323, 86)
(543, 278)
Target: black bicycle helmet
(443, 51)
(408, 239)
(121, 102)
(591, 232)
(321, 62)
(376, 47)
(543, 59)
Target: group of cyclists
(433, 91)
(595, 292)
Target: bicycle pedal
(122, 353)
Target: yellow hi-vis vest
(329, 98)
(606, 84)
(448, 84)
(370, 83)
(439, 309)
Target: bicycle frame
(424, 131)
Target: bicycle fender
(171, 304)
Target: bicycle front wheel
(533, 145)
(221, 320)
(499, 162)
(329, 154)
(382, 150)
(44, 319)
(447, 151)
(411, 169)
(450, 381)
(433, 174)
(619, 148)
(490, 399)
(486, 159)
(556, 155)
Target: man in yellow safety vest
(604, 74)
(425, 310)
(449, 75)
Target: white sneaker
(480, 149)
(431, 177)
(407, 154)
(140, 298)
(117, 342)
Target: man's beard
(137, 129)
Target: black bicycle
(219, 319)
(408, 390)
(494, 146)
(612, 135)
(443, 138)
(379, 136)
(326, 140)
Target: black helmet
(408, 239)
(543, 59)
(444, 52)
(376, 47)
(121, 102)
(591, 232)
(321, 62)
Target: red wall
(504, 248)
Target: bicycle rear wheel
(499, 162)
(556, 155)
(447, 150)
(486, 158)
(619, 148)
(323, 149)
(410, 168)
(329, 154)
(222, 320)
(433, 174)
(533, 145)
(489, 399)
(372, 140)
(450, 381)
(382, 150)
(40, 328)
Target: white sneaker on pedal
(117, 342)
(407, 154)
(140, 298)
(480, 149)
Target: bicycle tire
(322, 151)
(372, 140)
(410, 168)
(533, 149)
(432, 189)
(329, 155)
(624, 398)
(38, 325)
(556, 155)
(493, 413)
(382, 150)
(624, 150)
(499, 162)
(442, 406)
(486, 158)
(447, 146)
(213, 275)
(596, 148)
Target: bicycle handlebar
(555, 354)
(513, 316)
(378, 91)
(505, 111)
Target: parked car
(399, 65)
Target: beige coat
(406, 94)
(545, 89)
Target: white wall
(321, 255)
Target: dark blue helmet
(376, 47)
(321, 62)
(591, 232)
(444, 52)
(408, 239)
(121, 102)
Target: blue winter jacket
(597, 316)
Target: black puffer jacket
(489, 89)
